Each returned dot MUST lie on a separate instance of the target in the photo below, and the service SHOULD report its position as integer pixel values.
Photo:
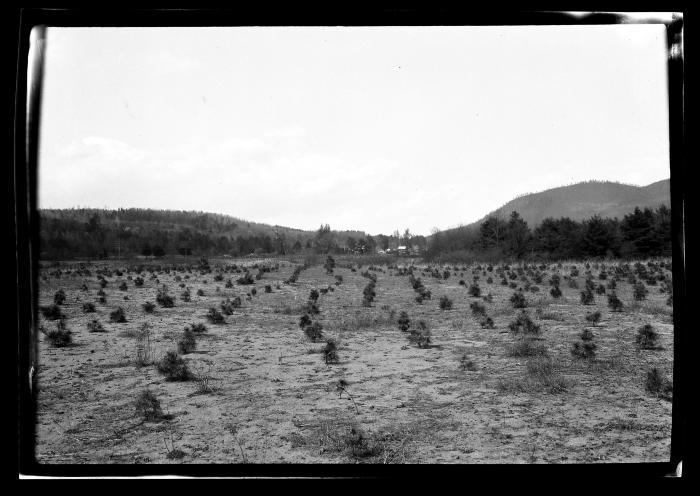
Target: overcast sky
(374, 129)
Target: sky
(365, 128)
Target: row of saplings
(313, 329)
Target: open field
(260, 390)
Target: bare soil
(262, 392)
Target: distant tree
(662, 230)
(436, 244)
(351, 243)
(557, 238)
(369, 245)
(419, 240)
(146, 251)
(600, 237)
(637, 230)
(94, 226)
(158, 251)
(517, 236)
(492, 232)
(324, 241)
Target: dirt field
(261, 392)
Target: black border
(25, 226)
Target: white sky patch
(372, 129)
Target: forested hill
(68, 233)
(584, 200)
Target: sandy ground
(272, 398)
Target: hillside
(583, 200)
(97, 232)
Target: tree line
(96, 234)
(640, 234)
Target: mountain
(583, 200)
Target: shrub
(215, 317)
(357, 445)
(330, 352)
(174, 367)
(268, 288)
(229, 305)
(658, 385)
(311, 308)
(246, 279)
(200, 292)
(123, 286)
(587, 297)
(614, 302)
(164, 299)
(314, 331)
(52, 312)
(187, 343)
(593, 317)
(314, 295)
(584, 350)
(420, 336)
(445, 303)
(138, 282)
(59, 297)
(329, 265)
(403, 321)
(474, 290)
(518, 300)
(600, 289)
(647, 338)
(477, 309)
(88, 307)
(117, 315)
(148, 307)
(185, 296)
(640, 291)
(304, 321)
(338, 280)
(95, 326)
(487, 323)
(555, 292)
(523, 324)
(59, 337)
(198, 328)
(148, 406)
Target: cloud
(279, 178)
